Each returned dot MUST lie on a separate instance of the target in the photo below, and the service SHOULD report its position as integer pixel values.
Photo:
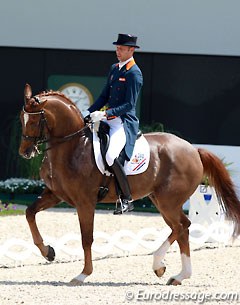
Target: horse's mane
(57, 93)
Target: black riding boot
(125, 201)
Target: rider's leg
(126, 204)
(117, 143)
(117, 140)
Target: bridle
(41, 138)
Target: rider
(120, 96)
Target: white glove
(97, 115)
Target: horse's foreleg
(86, 219)
(44, 201)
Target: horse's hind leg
(173, 216)
(46, 200)
(183, 242)
(158, 256)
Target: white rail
(104, 244)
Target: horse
(70, 174)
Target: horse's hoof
(173, 282)
(75, 282)
(160, 272)
(51, 254)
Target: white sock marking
(159, 255)
(186, 271)
(81, 277)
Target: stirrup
(124, 206)
(118, 202)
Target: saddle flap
(103, 134)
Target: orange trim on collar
(130, 64)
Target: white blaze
(25, 118)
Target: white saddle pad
(139, 160)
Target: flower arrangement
(6, 207)
(9, 209)
(21, 186)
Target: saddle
(104, 138)
(136, 165)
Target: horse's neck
(66, 118)
(75, 148)
(68, 134)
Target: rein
(41, 139)
(66, 138)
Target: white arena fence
(106, 244)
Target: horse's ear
(27, 92)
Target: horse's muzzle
(29, 152)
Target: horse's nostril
(27, 153)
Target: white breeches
(117, 139)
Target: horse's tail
(220, 179)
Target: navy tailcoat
(120, 96)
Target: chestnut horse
(69, 171)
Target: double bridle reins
(41, 138)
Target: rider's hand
(87, 119)
(97, 115)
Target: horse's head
(33, 124)
(40, 117)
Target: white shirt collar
(123, 63)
